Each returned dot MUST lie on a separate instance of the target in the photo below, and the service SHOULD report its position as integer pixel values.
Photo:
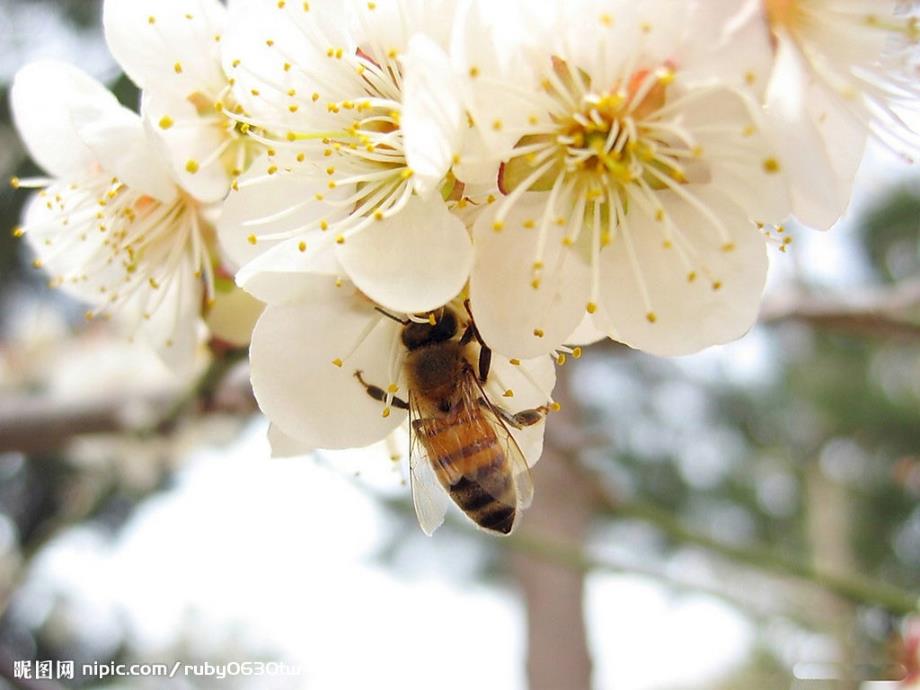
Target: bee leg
(378, 393)
(519, 420)
(485, 352)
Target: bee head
(416, 335)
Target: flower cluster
(551, 173)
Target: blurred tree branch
(886, 312)
(851, 586)
(35, 424)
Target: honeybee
(460, 448)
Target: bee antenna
(391, 316)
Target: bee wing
(428, 496)
(523, 481)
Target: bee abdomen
(487, 496)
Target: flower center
(782, 12)
(598, 144)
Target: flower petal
(820, 160)
(233, 315)
(514, 318)
(283, 446)
(414, 262)
(704, 290)
(174, 328)
(120, 144)
(188, 143)
(43, 97)
(166, 45)
(532, 382)
(273, 208)
(298, 387)
(729, 44)
(433, 118)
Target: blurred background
(745, 519)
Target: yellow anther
(386, 412)
(508, 394)
(177, 68)
(15, 182)
(18, 232)
(728, 247)
(166, 122)
(392, 389)
(591, 308)
(252, 239)
(340, 239)
(515, 362)
(302, 247)
(555, 407)
(691, 277)
(651, 317)
(338, 362)
(191, 167)
(538, 332)
(37, 263)
(498, 226)
(561, 359)
(717, 285)
(577, 352)
(771, 166)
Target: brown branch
(34, 424)
(883, 313)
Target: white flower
(636, 171)
(111, 226)
(172, 50)
(361, 107)
(305, 353)
(843, 70)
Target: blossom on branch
(637, 170)
(110, 225)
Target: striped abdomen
(472, 465)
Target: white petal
(120, 144)
(728, 43)
(433, 118)
(264, 36)
(188, 139)
(752, 174)
(173, 329)
(509, 311)
(592, 329)
(532, 382)
(233, 315)
(820, 160)
(414, 262)
(43, 97)
(281, 205)
(168, 45)
(718, 305)
(283, 446)
(298, 387)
